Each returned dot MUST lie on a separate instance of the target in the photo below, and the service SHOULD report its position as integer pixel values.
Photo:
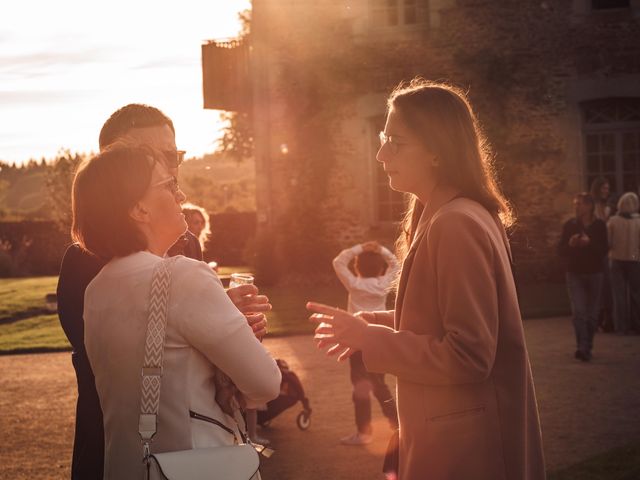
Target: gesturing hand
(336, 327)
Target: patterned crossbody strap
(154, 350)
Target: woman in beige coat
(466, 400)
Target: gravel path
(585, 408)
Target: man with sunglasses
(140, 124)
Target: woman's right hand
(247, 300)
(258, 323)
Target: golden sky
(66, 65)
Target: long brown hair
(441, 115)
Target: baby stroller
(291, 392)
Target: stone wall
(522, 63)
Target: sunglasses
(174, 157)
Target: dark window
(392, 13)
(607, 4)
(612, 142)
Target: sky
(66, 65)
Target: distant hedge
(30, 248)
(232, 237)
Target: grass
(618, 464)
(543, 300)
(23, 297)
(42, 333)
(289, 315)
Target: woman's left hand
(343, 331)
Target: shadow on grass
(541, 300)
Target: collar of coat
(440, 196)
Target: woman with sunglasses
(127, 210)
(455, 341)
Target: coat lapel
(441, 196)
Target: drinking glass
(238, 279)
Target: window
(389, 204)
(393, 13)
(612, 142)
(608, 4)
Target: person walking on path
(375, 270)
(624, 253)
(455, 342)
(583, 244)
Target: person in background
(583, 244)
(197, 221)
(624, 252)
(138, 124)
(375, 270)
(126, 210)
(601, 193)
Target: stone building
(555, 84)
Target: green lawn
(38, 334)
(543, 300)
(24, 296)
(289, 315)
(43, 332)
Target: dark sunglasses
(174, 157)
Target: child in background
(375, 270)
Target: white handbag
(231, 462)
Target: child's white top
(365, 293)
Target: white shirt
(204, 328)
(624, 238)
(367, 294)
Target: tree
(59, 184)
(237, 136)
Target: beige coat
(466, 400)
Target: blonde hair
(628, 203)
(440, 114)
(192, 209)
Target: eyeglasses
(174, 157)
(170, 184)
(394, 145)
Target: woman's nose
(180, 196)
(381, 155)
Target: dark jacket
(77, 270)
(588, 259)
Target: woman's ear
(139, 213)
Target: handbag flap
(229, 462)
